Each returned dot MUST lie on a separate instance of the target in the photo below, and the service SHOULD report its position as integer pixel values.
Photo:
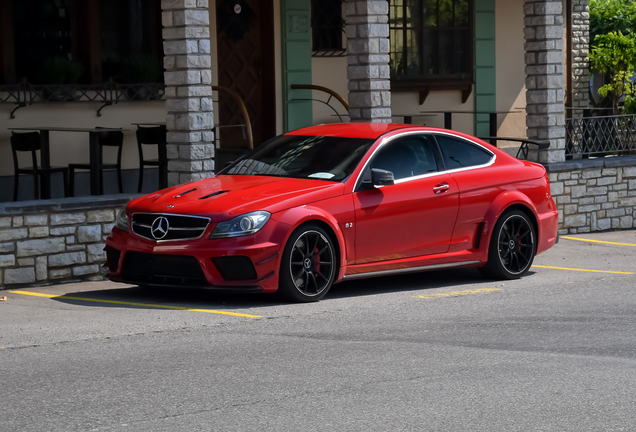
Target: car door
(413, 217)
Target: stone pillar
(188, 78)
(368, 60)
(545, 80)
(580, 61)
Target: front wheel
(308, 266)
(513, 246)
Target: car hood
(227, 196)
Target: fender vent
(480, 230)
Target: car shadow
(147, 298)
(410, 282)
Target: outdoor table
(448, 119)
(149, 124)
(45, 154)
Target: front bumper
(136, 260)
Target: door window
(459, 153)
(407, 157)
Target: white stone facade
(580, 60)
(368, 60)
(188, 79)
(545, 80)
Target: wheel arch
(300, 216)
(503, 203)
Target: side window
(459, 153)
(407, 157)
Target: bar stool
(153, 136)
(104, 139)
(30, 142)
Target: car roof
(350, 130)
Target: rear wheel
(308, 266)
(512, 246)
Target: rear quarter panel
(485, 193)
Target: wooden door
(245, 48)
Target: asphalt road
(439, 351)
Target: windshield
(307, 157)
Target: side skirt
(409, 270)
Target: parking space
(83, 310)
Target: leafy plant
(60, 70)
(614, 54)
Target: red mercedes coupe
(336, 202)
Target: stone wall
(60, 240)
(594, 195)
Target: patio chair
(153, 136)
(104, 139)
(30, 142)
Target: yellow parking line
(598, 241)
(34, 294)
(583, 270)
(458, 293)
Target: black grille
(173, 270)
(235, 268)
(179, 227)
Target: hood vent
(213, 194)
(185, 193)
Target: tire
(513, 245)
(308, 266)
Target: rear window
(459, 153)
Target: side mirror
(380, 177)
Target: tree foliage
(614, 54)
(607, 16)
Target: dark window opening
(131, 41)
(431, 40)
(327, 27)
(80, 42)
(42, 33)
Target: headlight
(121, 221)
(241, 226)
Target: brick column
(186, 47)
(368, 60)
(545, 81)
(580, 61)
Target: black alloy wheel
(512, 246)
(309, 263)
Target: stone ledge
(65, 204)
(610, 162)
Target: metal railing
(600, 136)
(107, 93)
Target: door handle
(440, 188)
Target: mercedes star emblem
(160, 228)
